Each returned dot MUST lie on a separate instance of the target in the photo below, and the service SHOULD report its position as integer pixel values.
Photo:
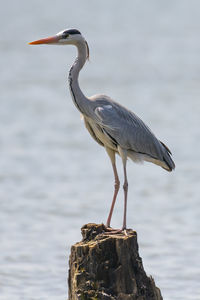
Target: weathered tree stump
(107, 267)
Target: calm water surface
(54, 178)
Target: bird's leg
(125, 187)
(123, 154)
(116, 189)
(111, 154)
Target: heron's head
(65, 37)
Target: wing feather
(128, 129)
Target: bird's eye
(65, 35)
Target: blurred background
(54, 178)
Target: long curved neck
(81, 102)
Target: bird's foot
(109, 230)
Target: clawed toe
(109, 230)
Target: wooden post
(107, 267)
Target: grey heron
(111, 125)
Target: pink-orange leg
(111, 154)
(125, 187)
(116, 190)
(123, 154)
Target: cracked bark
(108, 267)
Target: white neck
(81, 102)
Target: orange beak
(49, 40)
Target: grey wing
(128, 130)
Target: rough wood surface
(108, 267)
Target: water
(55, 178)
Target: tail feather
(164, 159)
(167, 158)
(166, 147)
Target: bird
(111, 125)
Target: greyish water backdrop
(54, 177)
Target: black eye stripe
(73, 31)
(70, 31)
